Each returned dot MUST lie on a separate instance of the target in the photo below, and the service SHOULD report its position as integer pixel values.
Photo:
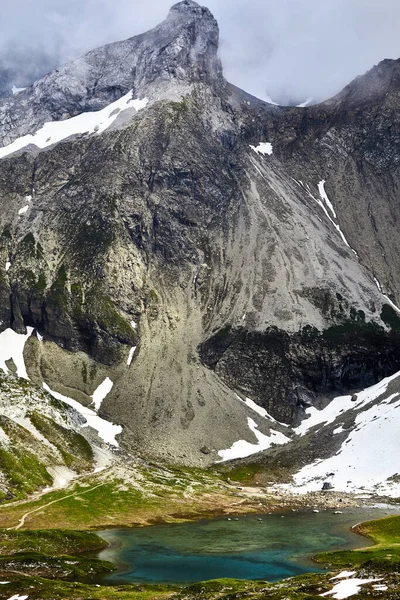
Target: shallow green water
(271, 549)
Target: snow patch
(39, 337)
(85, 123)
(380, 588)
(327, 207)
(133, 324)
(23, 210)
(339, 405)
(264, 148)
(28, 198)
(322, 193)
(130, 357)
(259, 410)
(305, 103)
(338, 430)
(344, 575)
(106, 430)
(242, 448)
(101, 392)
(18, 597)
(12, 346)
(348, 588)
(16, 90)
(392, 304)
(368, 458)
(8, 265)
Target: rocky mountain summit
(203, 251)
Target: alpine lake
(254, 547)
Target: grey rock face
(225, 267)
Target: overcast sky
(287, 49)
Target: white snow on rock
(380, 588)
(16, 90)
(242, 448)
(8, 265)
(106, 430)
(28, 198)
(341, 404)
(322, 193)
(305, 103)
(133, 324)
(264, 148)
(347, 588)
(388, 300)
(327, 207)
(18, 597)
(131, 355)
(39, 337)
(344, 575)
(101, 392)
(85, 123)
(369, 456)
(12, 348)
(23, 210)
(259, 410)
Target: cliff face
(233, 243)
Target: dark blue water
(271, 549)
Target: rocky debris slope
(199, 244)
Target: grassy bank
(385, 553)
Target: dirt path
(24, 517)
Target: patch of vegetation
(58, 294)
(27, 245)
(73, 447)
(177, 110)
(6, 234)
(23, 470)
(390, 317)
(41, 284)
(242, 473)
(385, 555)
(388, 557)
(382, 531)
(356, 326)
(53, 542)
(59, 567)
(102, 309)
(91, 237)
(46, 589)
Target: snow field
(107, 431)
(86, 123)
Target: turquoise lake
(279, 546)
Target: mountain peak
(187, 7)
(161, 63)
(373, 86)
